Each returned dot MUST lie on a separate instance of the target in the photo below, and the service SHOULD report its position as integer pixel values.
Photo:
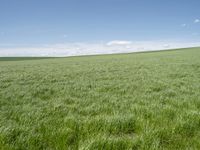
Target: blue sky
(71, 23)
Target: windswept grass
(111, 102)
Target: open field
(22, 58)
(111, 102)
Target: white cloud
(74, 49)
(196, 21)
(118, 42)
(166, 46)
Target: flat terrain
(111, 102)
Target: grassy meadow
(146, 101)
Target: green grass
(22, 58)
(110, 102)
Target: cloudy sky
(81, 27)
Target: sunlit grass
(127, 101)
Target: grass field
(110, 102)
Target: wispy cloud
(183, 25)
(65, 36)
(118, 42)
(75, 49)
(196, 20)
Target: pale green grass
(110, 102)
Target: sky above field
(79, 27)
